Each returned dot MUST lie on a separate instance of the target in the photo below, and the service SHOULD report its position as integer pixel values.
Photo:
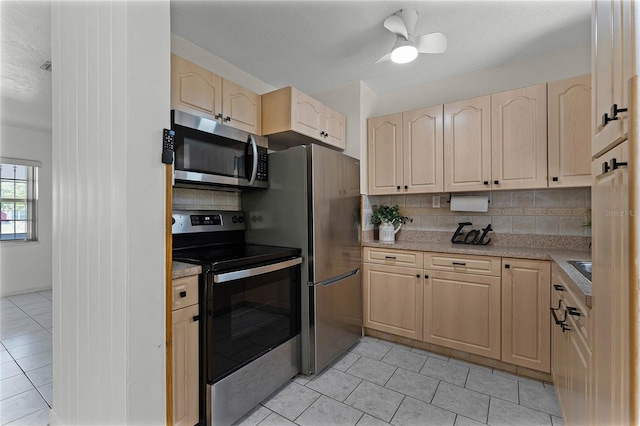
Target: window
(18, 197)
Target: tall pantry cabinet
(612, 49)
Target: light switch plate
(436, 201)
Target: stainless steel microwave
(208, 153)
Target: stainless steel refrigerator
(313, 202)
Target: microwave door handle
(254, 170)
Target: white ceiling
(321, 45)
(312, 45)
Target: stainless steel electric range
(250, 299)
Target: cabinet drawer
(393, 257)
(481, 265)
(184, 292)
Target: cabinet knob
(196, 318)
(322, 133)
(218, 115)
(398, 187)
(507, 266)
(486, 182)
(555, 178)
(496, 182)
(417, 275)
(406, 187)
(227, 118)
(183, 293)
(426, 277)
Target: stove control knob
(241, 219)
(234, 219)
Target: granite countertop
(181, 270)
(582, 285)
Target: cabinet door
(385, 154)
(610, 289)
(559, 354)
(611, 39)
(195, 89)
(334, 127)
(422, 141)
(185, 366)
(462, 311)
(307, 114)
(467, 145)
(240, 107)
(579, 392)
(569, 112)
(526, 329)
(519, 138)
(393, 300)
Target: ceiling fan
(407, 46)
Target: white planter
(388, 232)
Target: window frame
(31, 201)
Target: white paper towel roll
(469, 203)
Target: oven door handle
(245, 273)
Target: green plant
(389, 214)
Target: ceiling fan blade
(410, 17)
(396, 25)
(386, 57)
(432, 43)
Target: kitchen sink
(583, 266)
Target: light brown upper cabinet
(467, 145)
(519, 138)
(405, 152)
(201, 92)
(385, 154)
(569, 112)
(288, 113)
(611, 44)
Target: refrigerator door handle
(335, 279)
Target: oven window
(248, 317)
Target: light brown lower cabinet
(571, 367)
(393, 299)
(462, 311)
(185, 343)
(525, 315)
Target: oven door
(248, 313)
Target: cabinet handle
(613, 164)
(406, 187)
(183, 293)
(398, 187)
(496, 182)
(555, 178)
(555, 317)
(426, 277)
(227, 118)
(565, 328)
(417, 275)
(459, 263)
(573, 311)
(615, 110)
(196, 318)
(390, 257)
(558, 287)
(322, 133)
(219, 115)
(606, 119)
(507, 266)
(605, 167)
(486, 182)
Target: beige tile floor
(26, 369)
(375, 383)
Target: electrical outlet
(436, 201)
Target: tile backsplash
(205, 199)
(544, 212)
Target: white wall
(224, 69)
(26, 266)
(110, 101)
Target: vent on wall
(46, 66)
